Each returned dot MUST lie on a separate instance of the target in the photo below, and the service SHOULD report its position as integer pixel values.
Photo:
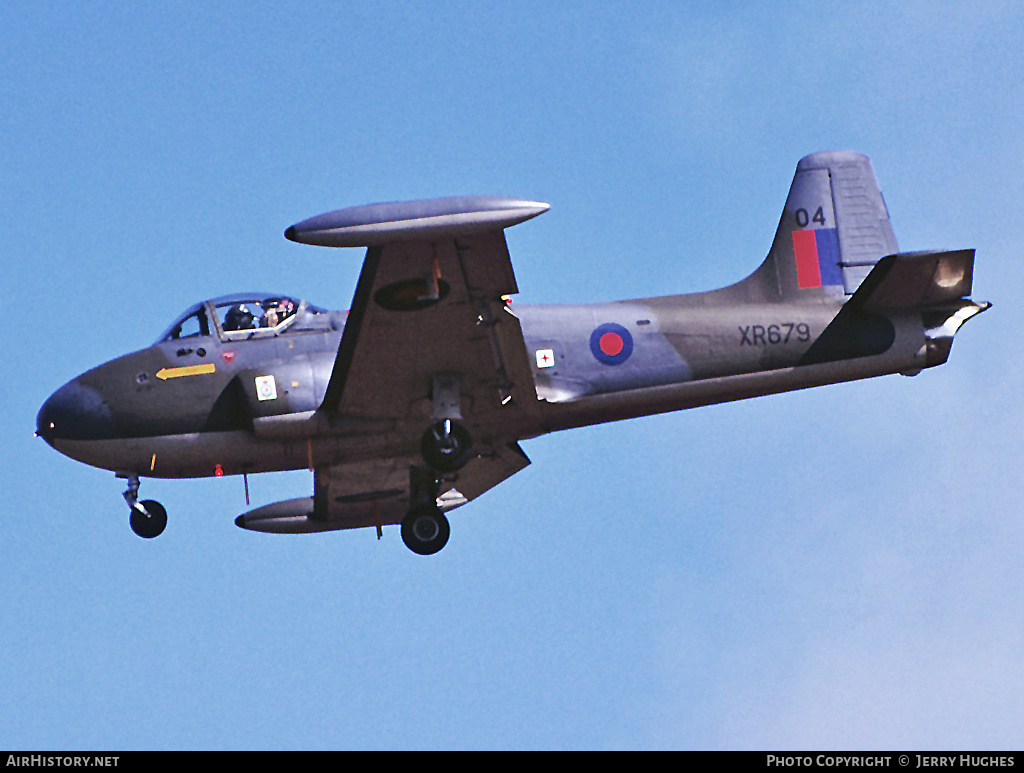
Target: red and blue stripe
(817, 257)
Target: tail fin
(834, 228)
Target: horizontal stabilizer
(916, 280)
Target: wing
(377, 493)
(429, 336)
(426, 308)
(429, 303)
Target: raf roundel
(611, 344)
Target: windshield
(254, 313)
(193, 322)
(240, 317)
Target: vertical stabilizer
(834, 228)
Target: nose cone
(74, 412)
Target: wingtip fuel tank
(293, 516)
(378, 224)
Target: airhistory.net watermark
(59, 761)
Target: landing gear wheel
(425, 530)
(446, 446)
(151, 522)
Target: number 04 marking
(803, 219)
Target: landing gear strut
(446, 445)
(148, 518)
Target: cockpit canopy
(244, 316)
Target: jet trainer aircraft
(414, 402)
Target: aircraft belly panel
(188, 455)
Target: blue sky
(837, 568)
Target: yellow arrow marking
(188, 370)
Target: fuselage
(205, 401)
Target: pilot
(278, 310)
(239, 318)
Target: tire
(425, 530)
(151, 525)
(446, 453)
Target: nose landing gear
(148, 518)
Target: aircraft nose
(74, 412)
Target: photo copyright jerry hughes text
(895, 761)
(60, 761)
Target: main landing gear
(425, 529)
(446, 447)
(148, 518)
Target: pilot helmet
(239, 318)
